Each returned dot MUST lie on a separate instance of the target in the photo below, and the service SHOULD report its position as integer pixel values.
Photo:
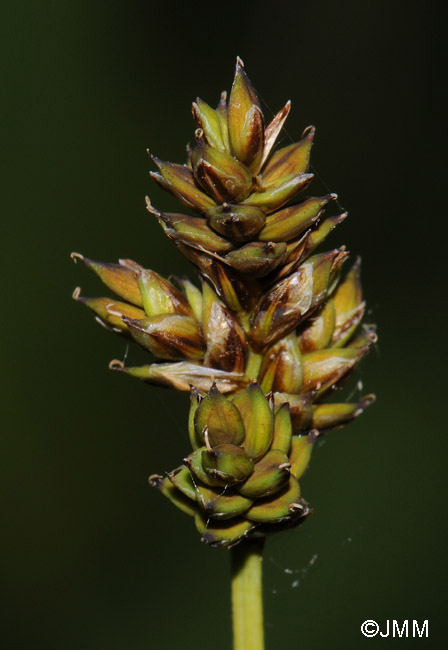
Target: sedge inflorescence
(272, 330)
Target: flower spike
(270, 330)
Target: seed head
(271, 329)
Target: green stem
(247, 595)
(253, 364)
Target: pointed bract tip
(155, 480)
(367, 400)
(155, 176)
(296, 507)
(195, 393)
(254, 385)
(150, 208)
(130, 265)
(106, 326)
(76, 295)
(340, 255)
(309, 132)
(77, 256)
(239, 62)
(313, 435)
(116, 364)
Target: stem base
(247, 595)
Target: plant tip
(116, 364)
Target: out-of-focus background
(92, 557)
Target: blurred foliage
(92, 557)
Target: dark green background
(92, 557)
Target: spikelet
(268, 333)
